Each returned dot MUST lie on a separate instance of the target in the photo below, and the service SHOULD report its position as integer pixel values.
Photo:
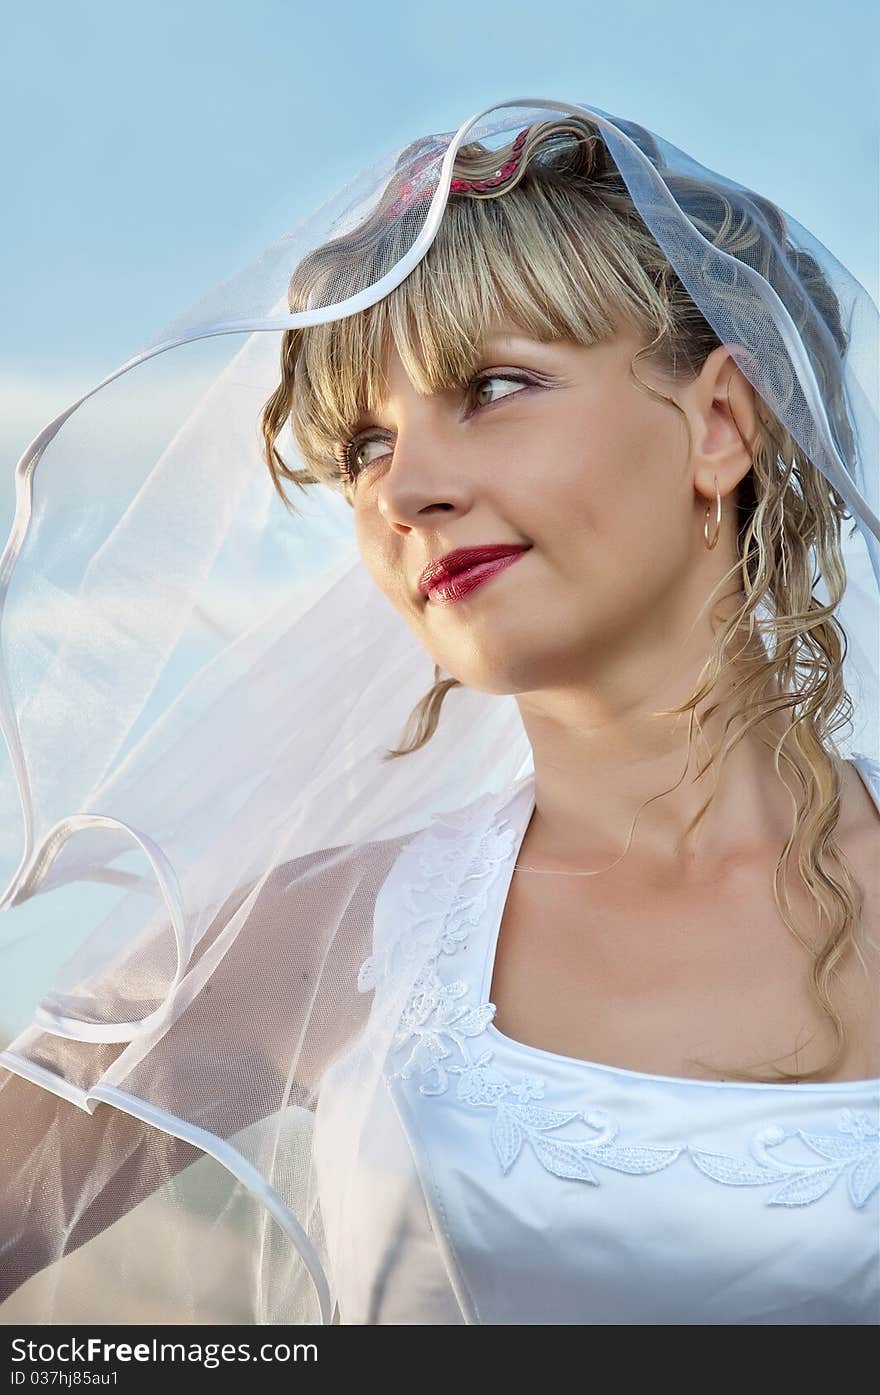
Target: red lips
(454, 562)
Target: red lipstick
(454, 576)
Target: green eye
(495, 378)
(359, 454)
(354, 458)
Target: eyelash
(346, 450)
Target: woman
(615, 1055)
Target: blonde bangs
(532, 262)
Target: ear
(720, 407)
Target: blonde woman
(599, 1044)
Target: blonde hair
(560, 250)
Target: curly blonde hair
(559, 249)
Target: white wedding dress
(486, 1181)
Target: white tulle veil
(197, 689)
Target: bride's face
(554, 447)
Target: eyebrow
(491, 342)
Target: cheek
(371, 552)
(588, 476)
(614, 502)
(384, 566)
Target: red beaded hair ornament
(410, 189)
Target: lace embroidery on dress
(438, 1022)
(431, 895)
(854, 1150)
(519, 1118)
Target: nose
(425, 481)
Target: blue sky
(151, 150)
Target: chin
(500, 682)
(496, 662)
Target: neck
(597, 762)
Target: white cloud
(28, 402)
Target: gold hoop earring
(711, 544)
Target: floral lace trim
(853, 1150)
(438, 1023)
(440, 907)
